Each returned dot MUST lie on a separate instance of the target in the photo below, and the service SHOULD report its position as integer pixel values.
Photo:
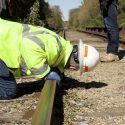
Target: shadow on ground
(72, 83)
(66, 84)
(29, 88)
(121, 54)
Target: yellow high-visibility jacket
(32, 49)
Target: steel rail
(43, 113)
(121, 41)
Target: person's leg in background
(7, 83)
(111, 25)
(5, 11)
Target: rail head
(42, 115)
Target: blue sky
(65, 5)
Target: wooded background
(89, 15)
(38, 12)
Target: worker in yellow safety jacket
(37, 51)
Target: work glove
(53, 76)
(55, 69)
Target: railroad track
(76, 101)
(41, 116)
(101, 32)
(43, 113)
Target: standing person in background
(109, 12)
(5, 11)
(33, 50)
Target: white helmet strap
(75, 53)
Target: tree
(73, 20)
(89, 15)
(54, 19)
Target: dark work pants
(110, 22)
(4, 10)
(7, 83)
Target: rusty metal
(42, 115)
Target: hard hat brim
(81, 57)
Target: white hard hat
(88, 57)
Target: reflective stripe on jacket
(39, 48)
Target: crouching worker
(36, 51)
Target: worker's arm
(35, 58)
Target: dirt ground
(95, 98)
(99, 98)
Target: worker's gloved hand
(53, 76)
(54, 69)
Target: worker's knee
(7, 88)
(4, 71)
